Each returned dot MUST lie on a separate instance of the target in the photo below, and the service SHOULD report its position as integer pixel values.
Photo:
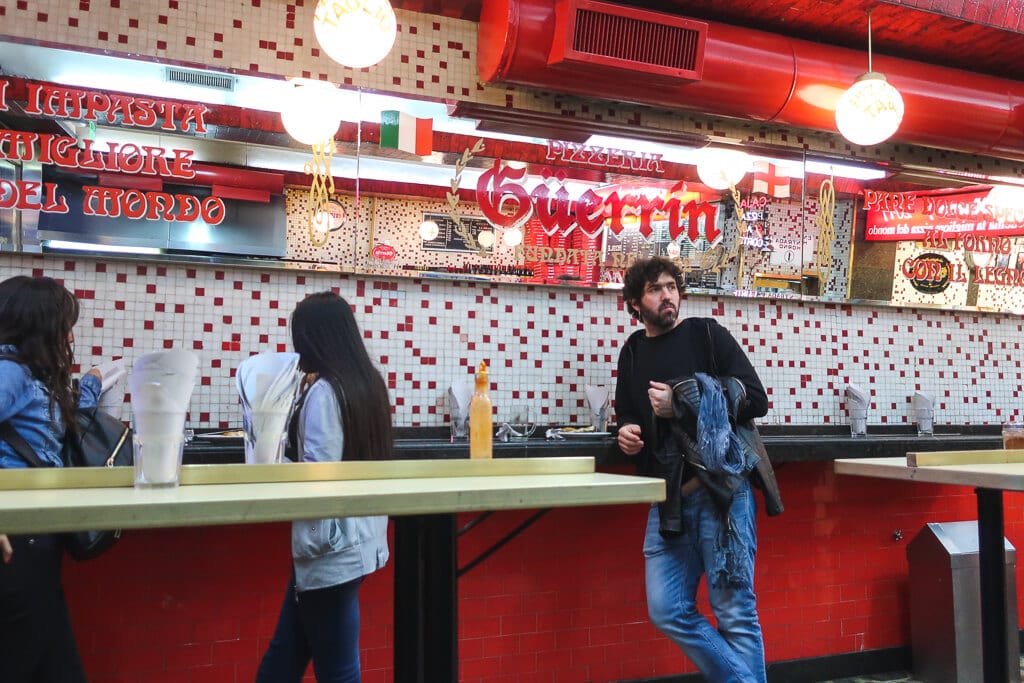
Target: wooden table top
(95, 498)
(1008, 476)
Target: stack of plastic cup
(161, 385)
(267, 386)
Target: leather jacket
(676, 450)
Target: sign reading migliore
(68, 152)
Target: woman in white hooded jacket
(343, 414)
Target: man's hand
(630, 442)
(661, 399)
(6, 551)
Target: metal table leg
(992, 565)
(426, 599)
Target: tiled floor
(893, 677)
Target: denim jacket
(329, 552)
(25, 402)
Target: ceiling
(973, 35)
(984, 44)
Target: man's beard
(662, 319)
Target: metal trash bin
(945, 604)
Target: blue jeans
(734, 653)
(322, 625)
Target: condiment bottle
(481, 421)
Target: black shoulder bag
(102, 440)
(99, 443)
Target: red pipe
(264, 181)
(766, 77)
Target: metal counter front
(423, 496)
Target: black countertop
(784, 444)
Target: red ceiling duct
(739, 73)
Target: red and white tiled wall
(543, 344)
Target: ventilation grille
(634, 40)
(201, 79)
(631, 39)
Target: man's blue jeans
(734, 653)
(322, 625)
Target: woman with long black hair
(344, 414)
(38, 401)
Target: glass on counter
(1013, 435)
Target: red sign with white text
(383, 252)
(897, 216)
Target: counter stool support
(426, 639)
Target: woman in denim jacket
(344, 414)
(37, 315)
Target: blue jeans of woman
(322, 625)
(734, 652)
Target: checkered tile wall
(543, 344)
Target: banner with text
(898, 216)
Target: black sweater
(681, 352)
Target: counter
(423, 497)
(784, 444)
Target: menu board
(447, 238)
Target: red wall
(561, 603)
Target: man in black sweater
(668, 348)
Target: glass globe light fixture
(871, 110)
(355, 33)
(513, 237)
(310, 112)
(485, 238)
(428, 230)
(721, 169)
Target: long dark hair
(327, 339)
(37, 315)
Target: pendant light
(355, 33)
(310, 115)
(870, 111)
(721, 168)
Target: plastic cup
(522, 421)
(1013, 436)
(158, 460)
(858, 422)
(460, 426)
(265, 451)
(923, 418)
(154, 423)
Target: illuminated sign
(506, 203)
(68, 152)
(893, 216)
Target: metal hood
(611, 52)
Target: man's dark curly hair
(643, 272)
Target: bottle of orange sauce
(481, 420)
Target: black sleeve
(731, 361)
(625, 411)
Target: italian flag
(399, 130)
